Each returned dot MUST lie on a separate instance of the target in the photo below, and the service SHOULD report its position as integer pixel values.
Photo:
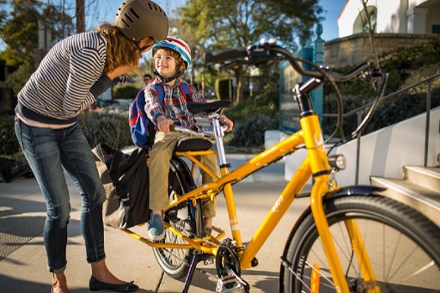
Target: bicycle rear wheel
(186, 218)
(403, 247)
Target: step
(426, 201)
(428, 177)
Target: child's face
(165, 63)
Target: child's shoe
(156, 232)
(208, 230)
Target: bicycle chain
(211, 276)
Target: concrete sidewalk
(23, 258)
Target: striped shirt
(67, 81)
(174, 103)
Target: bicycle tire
(399, 241)
(186, 217)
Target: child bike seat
(185, 144)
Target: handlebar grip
(226, 55)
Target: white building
(391, 16)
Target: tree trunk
(239, 76)
(80, 16)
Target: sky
(332, 9)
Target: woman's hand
(226, 121)
(121, 70)
(163, 123)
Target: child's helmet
(138, 19)
(175, 44)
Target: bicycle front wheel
(403, 247)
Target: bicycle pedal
(229, 284)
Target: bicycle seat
(186, 144)
(195, 108)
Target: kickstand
(195, 260)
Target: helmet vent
(149, 4)
(128, 18)
(134, 13)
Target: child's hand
(226, 121)
(163, 123)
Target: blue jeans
(49, 152)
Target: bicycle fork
(321, 174)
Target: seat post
(219, 134)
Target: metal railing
(358, 112)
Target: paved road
(23, 258)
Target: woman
(68, 80)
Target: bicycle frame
(316, 164)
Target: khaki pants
(160, 156)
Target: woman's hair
(180, 65)
(120, 50)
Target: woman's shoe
(95, 285)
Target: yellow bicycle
(350, 239)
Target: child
(171, 58)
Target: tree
(20, 31)
(221, 24)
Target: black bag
(125, 179)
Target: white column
(417, 20)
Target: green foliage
(413, 58)
(218, 24)
(253, 116)
(19, 31)
(405, 67)
(110, 128)
(240, 23)
(17, 79)
(125, 92)
(9, 145)
(266, 103)
(251, 131)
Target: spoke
(345, 241)
(402, 264)
(387, 275)
(421, 270)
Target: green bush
(405, 67)
(110, 128)
(265, 103)
(9, 144)
(251, 131)
(125, 92)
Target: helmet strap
(167, 79)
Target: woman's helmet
(138, 19)
(175, 44)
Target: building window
(436, 28)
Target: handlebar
(258, 54)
